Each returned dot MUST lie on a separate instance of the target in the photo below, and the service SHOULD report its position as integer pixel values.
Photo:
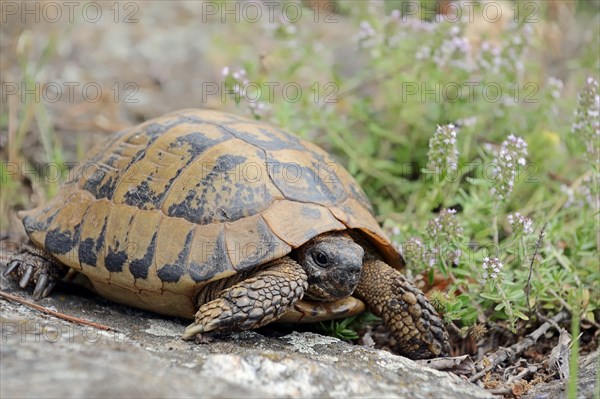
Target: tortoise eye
(320, 258)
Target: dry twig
(458, 364)
(538, 245)
(54, 313)
(502, 354)
(529, 370)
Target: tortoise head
(333, 263)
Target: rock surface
(144, 357)
(588, 385)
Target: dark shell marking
(195, 196)
(139, 267)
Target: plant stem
(538, 245)
(495, 223)
(574, 358)
(509, 310)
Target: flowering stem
(538, 245)
(434, 194)
(495, 223)
(528, 284)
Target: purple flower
(238, 84)
(413, 250)
(556, 85)
(587, 120)
(444, 227)
(511, 155)
(443, 153)
(366, 35)
(520, 223)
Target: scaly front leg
(404, 309)
(258, 300)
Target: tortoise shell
(195, 196)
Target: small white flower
(492, 264)
(443, 153)
(366, 35)
(587, 122)
(413, 250)
(445, 226)
(513, 148)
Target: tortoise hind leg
(34, 265)
(258, 300)
(405, 310)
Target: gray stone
(587, 382)
(43, 356)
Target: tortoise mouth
(317, 293)
(336, 284)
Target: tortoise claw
(26, 276)
(12, 266)
(40, 286)
(191, 331)
(48, 288)
(33, 266)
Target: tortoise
(228, 221)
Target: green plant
(340, 328)
(468, 201)
(574, 352)
(347, 328)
